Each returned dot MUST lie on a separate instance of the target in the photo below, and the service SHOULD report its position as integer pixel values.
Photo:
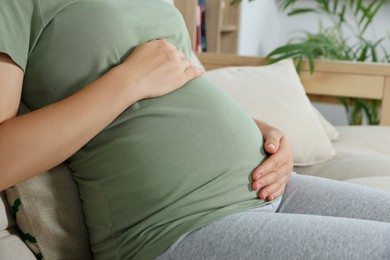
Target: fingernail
(272, 146)
(258, 176)
(256, 186)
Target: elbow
(7, 175)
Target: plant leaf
(301, 11)
(299, 65)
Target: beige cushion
(12, 248)
(369, 139)
(330, 130)
(48, 212)
(6, 218)
(49, 215)
(362, 151)
(275, 94)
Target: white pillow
(330, 130)
(274, 94)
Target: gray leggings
(317, 219)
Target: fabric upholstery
(330, 130)
(6, 218)
(48, 213)
(12, 248)
(275, 94)
(362, 151)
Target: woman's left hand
(271, 177)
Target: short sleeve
(20, 27)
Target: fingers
(273, 183)
(193, 72)
(283, 156)
(190, 70)
(273, 194)
(271, 145)
(272, 136)
(272, 141)
(275, 189)
(271, 164)
(158, 59)
(272, 177)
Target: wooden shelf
(188, 10)
(222, 23)
(222, 26)
(229, 28)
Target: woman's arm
(11, 75)
(272, 176)
(38, 141)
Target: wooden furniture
(188, 10)
(330, 79)
(222, 23)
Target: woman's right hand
(156, 68)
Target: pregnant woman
(166, 164)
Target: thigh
(319, 196)
(259, 235)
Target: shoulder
(20, 26)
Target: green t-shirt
(166, 165)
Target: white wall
(263, 27)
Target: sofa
(361, 153)
(42, 217)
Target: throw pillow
(274, 94)
(6, 219)
(330, 130)
(48, 214)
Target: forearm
(35, 142)
(41, 139)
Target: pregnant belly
(187, 152)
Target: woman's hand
(157, 67)
(153, 69)
(271, 177)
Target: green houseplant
(342, 40)
(347, 17)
